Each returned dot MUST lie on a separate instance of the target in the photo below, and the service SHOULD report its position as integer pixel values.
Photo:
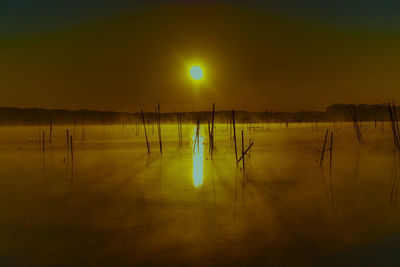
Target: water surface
(115, 204)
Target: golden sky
(251, 59)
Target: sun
(196, 72)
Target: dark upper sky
(258, 55)
(22, 16)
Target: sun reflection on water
(198, 152)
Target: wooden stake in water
(159, 127)
(43, 141)
(43, 159)
(394, 124)
(245, 152)
(83, 135)
(72, 149)
(212, 130)
(230, 133)
(242, 157)
(244, 174)
(323, 149)
(76, 119)
(68, 141)
(51, 131)
(180, 123)
(180, 126)
(145, 132)
(198, 135)
(330, 153)
(72, 159)
(234, 133)
(197, 138)
(210, 139)
(357, 128)
(179, 130)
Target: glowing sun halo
(196, 72)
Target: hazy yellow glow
(197, 160)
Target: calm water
(117, 205)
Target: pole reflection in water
(198, 150)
